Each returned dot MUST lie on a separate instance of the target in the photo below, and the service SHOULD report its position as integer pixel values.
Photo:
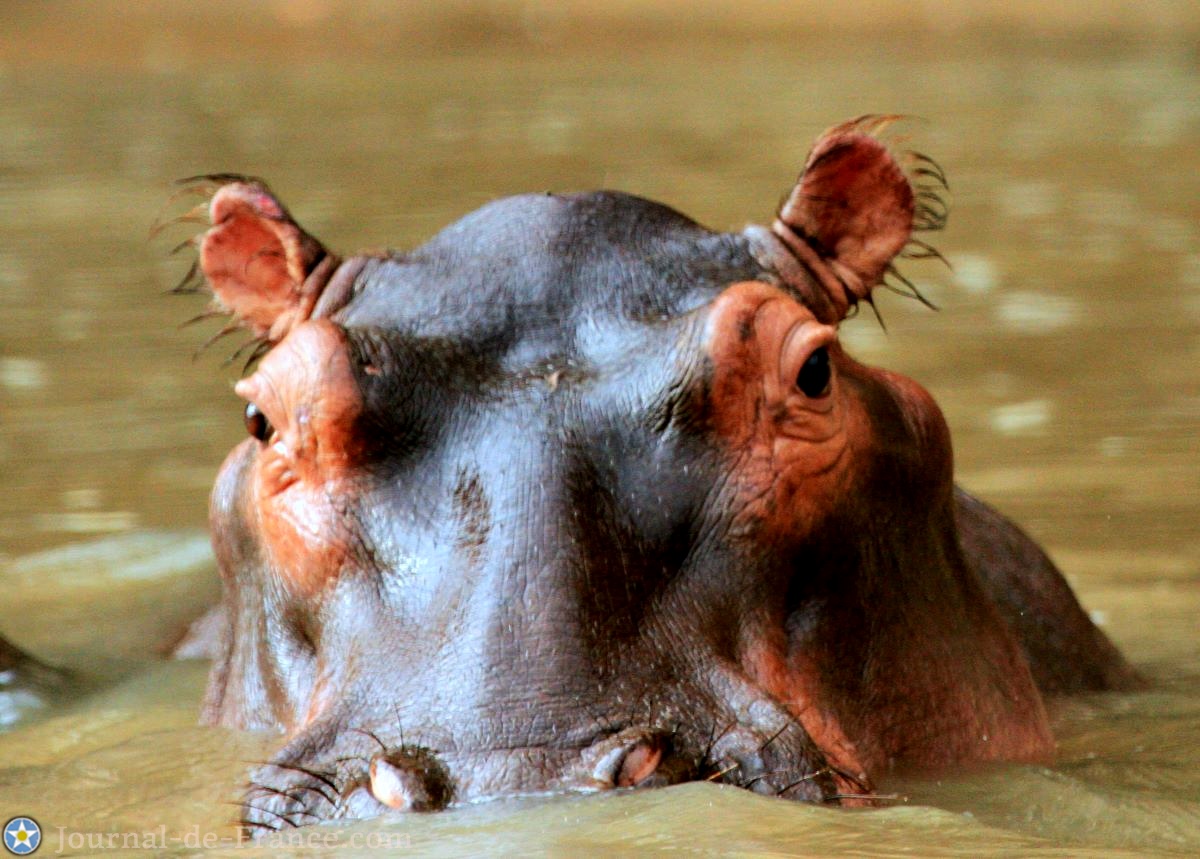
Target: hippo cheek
(303, 405)
(921, 442)
(302, 530)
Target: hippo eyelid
(805, 362)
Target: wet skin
(581, 495)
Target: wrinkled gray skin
(548, 584)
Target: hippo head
(582, 495)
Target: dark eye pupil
(814, 376)
(256, 423)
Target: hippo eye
(256, 423)
(813, 378)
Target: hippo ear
(854, 209)
(257, 259)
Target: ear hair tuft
(854, 210)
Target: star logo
(22, 836)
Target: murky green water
(1065, 355)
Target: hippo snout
(372, 777)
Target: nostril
(626, 759)
(396, 787)
(409, 782)
(639, 763)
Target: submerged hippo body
(581, 494)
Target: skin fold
(582, 495)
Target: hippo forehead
(547, 275)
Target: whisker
(286, 794)
(932, 198)
(758, 778)
(324, 778)
(224, 332)
(399, 725)
(870, 299)
(924, 250)
(186, 243)
(875, 123)
(240, 350)
(723, 772)
(264, 346)
(208, 314)
(926, 173)
(775, 736)
(912, 292)
(346, 759)
(714, 738)
(190, 284)
(382, 747)
(221, 179)
(928, 167)
(927, 219)
(195, 215)
(251, 825)
(253, 807)
(812, 775)
(203, 190)
(850, 777)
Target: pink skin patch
(639, 764)
(788, 449)
(786, 445)
(257, 260)
(388, 785)
(851, 212)
(797, 684)
(793, 457)
(305, 388)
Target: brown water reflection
(1065, 354)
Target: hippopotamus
(582, 495)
